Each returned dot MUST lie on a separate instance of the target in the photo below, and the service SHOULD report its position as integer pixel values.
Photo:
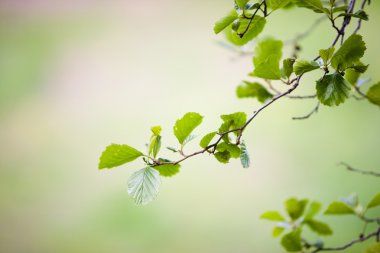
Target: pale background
(76, 76)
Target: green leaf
(350, 52)
(207, 139)
(116, 155)
(143, 185)
(352, 76)
(272, 216)
(303, 66)
(339, 208)
(360, 14)
(234, 120)
(342, 8)
(156, 130)
(319, 227)
(295, 208)
(277, 231)
(223, 157)
(155, 145)
(292, 241)
(276, 4)
(315, 5)
(244, 156)
(375, 201)
(332, 89)
(253, 90)
(287, 66)
(172, 149)
(184, 126)
(222, 23)
(267, 59)
(373, 94)
(233, 149)
(326, 54)
(241, 3)
(254, 29)
(313, 209)
(374, 248)
(168, 170)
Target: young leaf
(233, 149)
(339, 208)
(223, 157)
(116, 155)
(352, 76)
(360, 14)
(277, 231)
(375, 201)
(352, 200)
(272, 216)
(315, 5)
(313, 209)
(373, 94)
(244, 156)
(143, 185)
(155, 145)
(276, 4)
(222, 23)
(287, 66)
(303, 66)
(255, 90)
(332, 89)
(326, 54)
(267, 59)
(295, 208)
(234, 120)
(254, 28)
(156, 130)
(350, 52)
(241, 3)
(292, 241)
(319, 227)
(168, 170)
(207, 139)
(184, 126)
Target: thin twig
(315, 110)
(364, 172)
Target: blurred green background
(76, 76)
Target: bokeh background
(76, 76)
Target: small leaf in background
(373, 94)
(287, 66)
(277, 231)
(222, 23)
(267, 59)
(326, 54)
(313, 209)
(332, 89)
(350, 52)
(172, 149)
(244, 155)
(116, 155)
(254, 29)
(253, 90)
(374, 248)
(184, 126)
(207, 139)
(168, 170)
(339, 208)
(295, 208)
(315, 5)
(292, 241)
(233, 149)
(276, 4)
(319, 227)
(155, 145)
(375, 201)
(303, 66)
(223, 157)
(189, 139)
(143, 185)
(272, 216)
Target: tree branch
(364, 172)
